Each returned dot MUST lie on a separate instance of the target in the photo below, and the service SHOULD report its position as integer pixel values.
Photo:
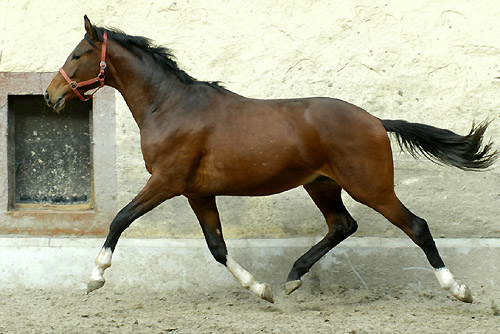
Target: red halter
(100, 77)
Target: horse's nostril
(46, 96)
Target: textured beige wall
(426, 61)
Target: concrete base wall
(380, 264)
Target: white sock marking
(102, 262)
(448, 282)
(246, 279)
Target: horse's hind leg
(206, 211)
(417, 229)
(366, 172)
(326, 195)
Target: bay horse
(201, 140)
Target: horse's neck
(144, 85)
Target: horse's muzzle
(58, 105)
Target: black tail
(443, 146)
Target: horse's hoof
(464, 294)
(291, 286)
(267, 293)
(94, 285)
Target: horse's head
(78, 75)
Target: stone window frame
(91, 221)
(16, 116)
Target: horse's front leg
(206, 211)
(153, 194)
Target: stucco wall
(424, 61)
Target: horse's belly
(250, 183)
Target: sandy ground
(337, 310)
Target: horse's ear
(90, 28)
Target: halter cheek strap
(99, 78)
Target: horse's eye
(75, 57)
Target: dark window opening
(49, 153)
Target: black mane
(162, 55)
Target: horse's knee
(216, 244)
(122, 220)
(219, 253)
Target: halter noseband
(100, 77)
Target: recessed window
(57, 171)
(50, 155)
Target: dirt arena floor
(337, 310)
